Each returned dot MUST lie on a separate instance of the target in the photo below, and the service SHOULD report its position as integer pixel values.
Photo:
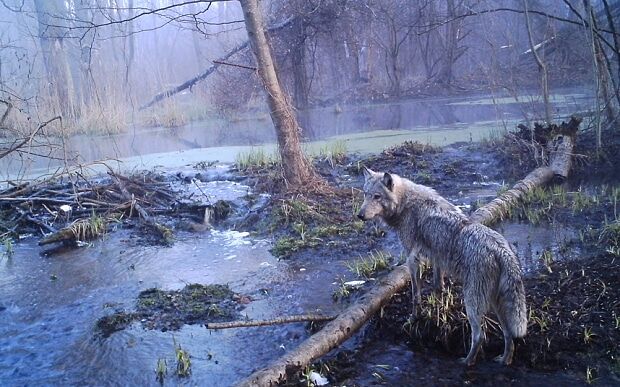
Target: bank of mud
(572, 291)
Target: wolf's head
(380, 198)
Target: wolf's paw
(467, 362)
(501, 360)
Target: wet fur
(434, 230)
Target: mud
(170, 310)
(572, 284)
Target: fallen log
(275, 321)
(163, 231)
(349, 321)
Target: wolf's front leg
(416, 282)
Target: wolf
(431, 228)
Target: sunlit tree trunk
(51, 14)
(297, 169)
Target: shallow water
(364, 128)
(49, 306)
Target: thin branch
(219, 62)
(275, 321)
(29, 138)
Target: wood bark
(354, 317)
(275, 321)
(297, 170)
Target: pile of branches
(74, 209)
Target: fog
(91, 67)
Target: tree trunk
(297, 170)
(354, 317)
(49, 15)
(451, 42)
(298, 59)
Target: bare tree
(54, 50)
(541, 64)
(297, 170)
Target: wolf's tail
(511, 295)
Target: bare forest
(174, 171)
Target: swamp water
(49, 305)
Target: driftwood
(354, 317)
(164, 232)
(216, 63)
(275, 321)
(71, 208)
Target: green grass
(366, 267)
(256, 158)
(334, 152)
(184, 362)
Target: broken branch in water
(275, 321)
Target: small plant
(588, 335)
(547, 259)
(342, 291)
(86, 229)
(9, 250)
(184, 362)
(589, 375)
(334, 152)
(541, 320)
(373, 263)
(356, 203)
(502, 189)
(161, 370)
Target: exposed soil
(170, 310)
(575, 310)
(574, 322)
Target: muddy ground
(574, 322)
(574, 326)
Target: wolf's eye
(377, 196)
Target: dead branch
(29, 138)
(216, 63)
(275, 321)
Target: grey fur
(431, 228)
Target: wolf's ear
(367, 172)
(388, 181)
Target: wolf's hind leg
(416, 283)
(509, 346)
(475, 307)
